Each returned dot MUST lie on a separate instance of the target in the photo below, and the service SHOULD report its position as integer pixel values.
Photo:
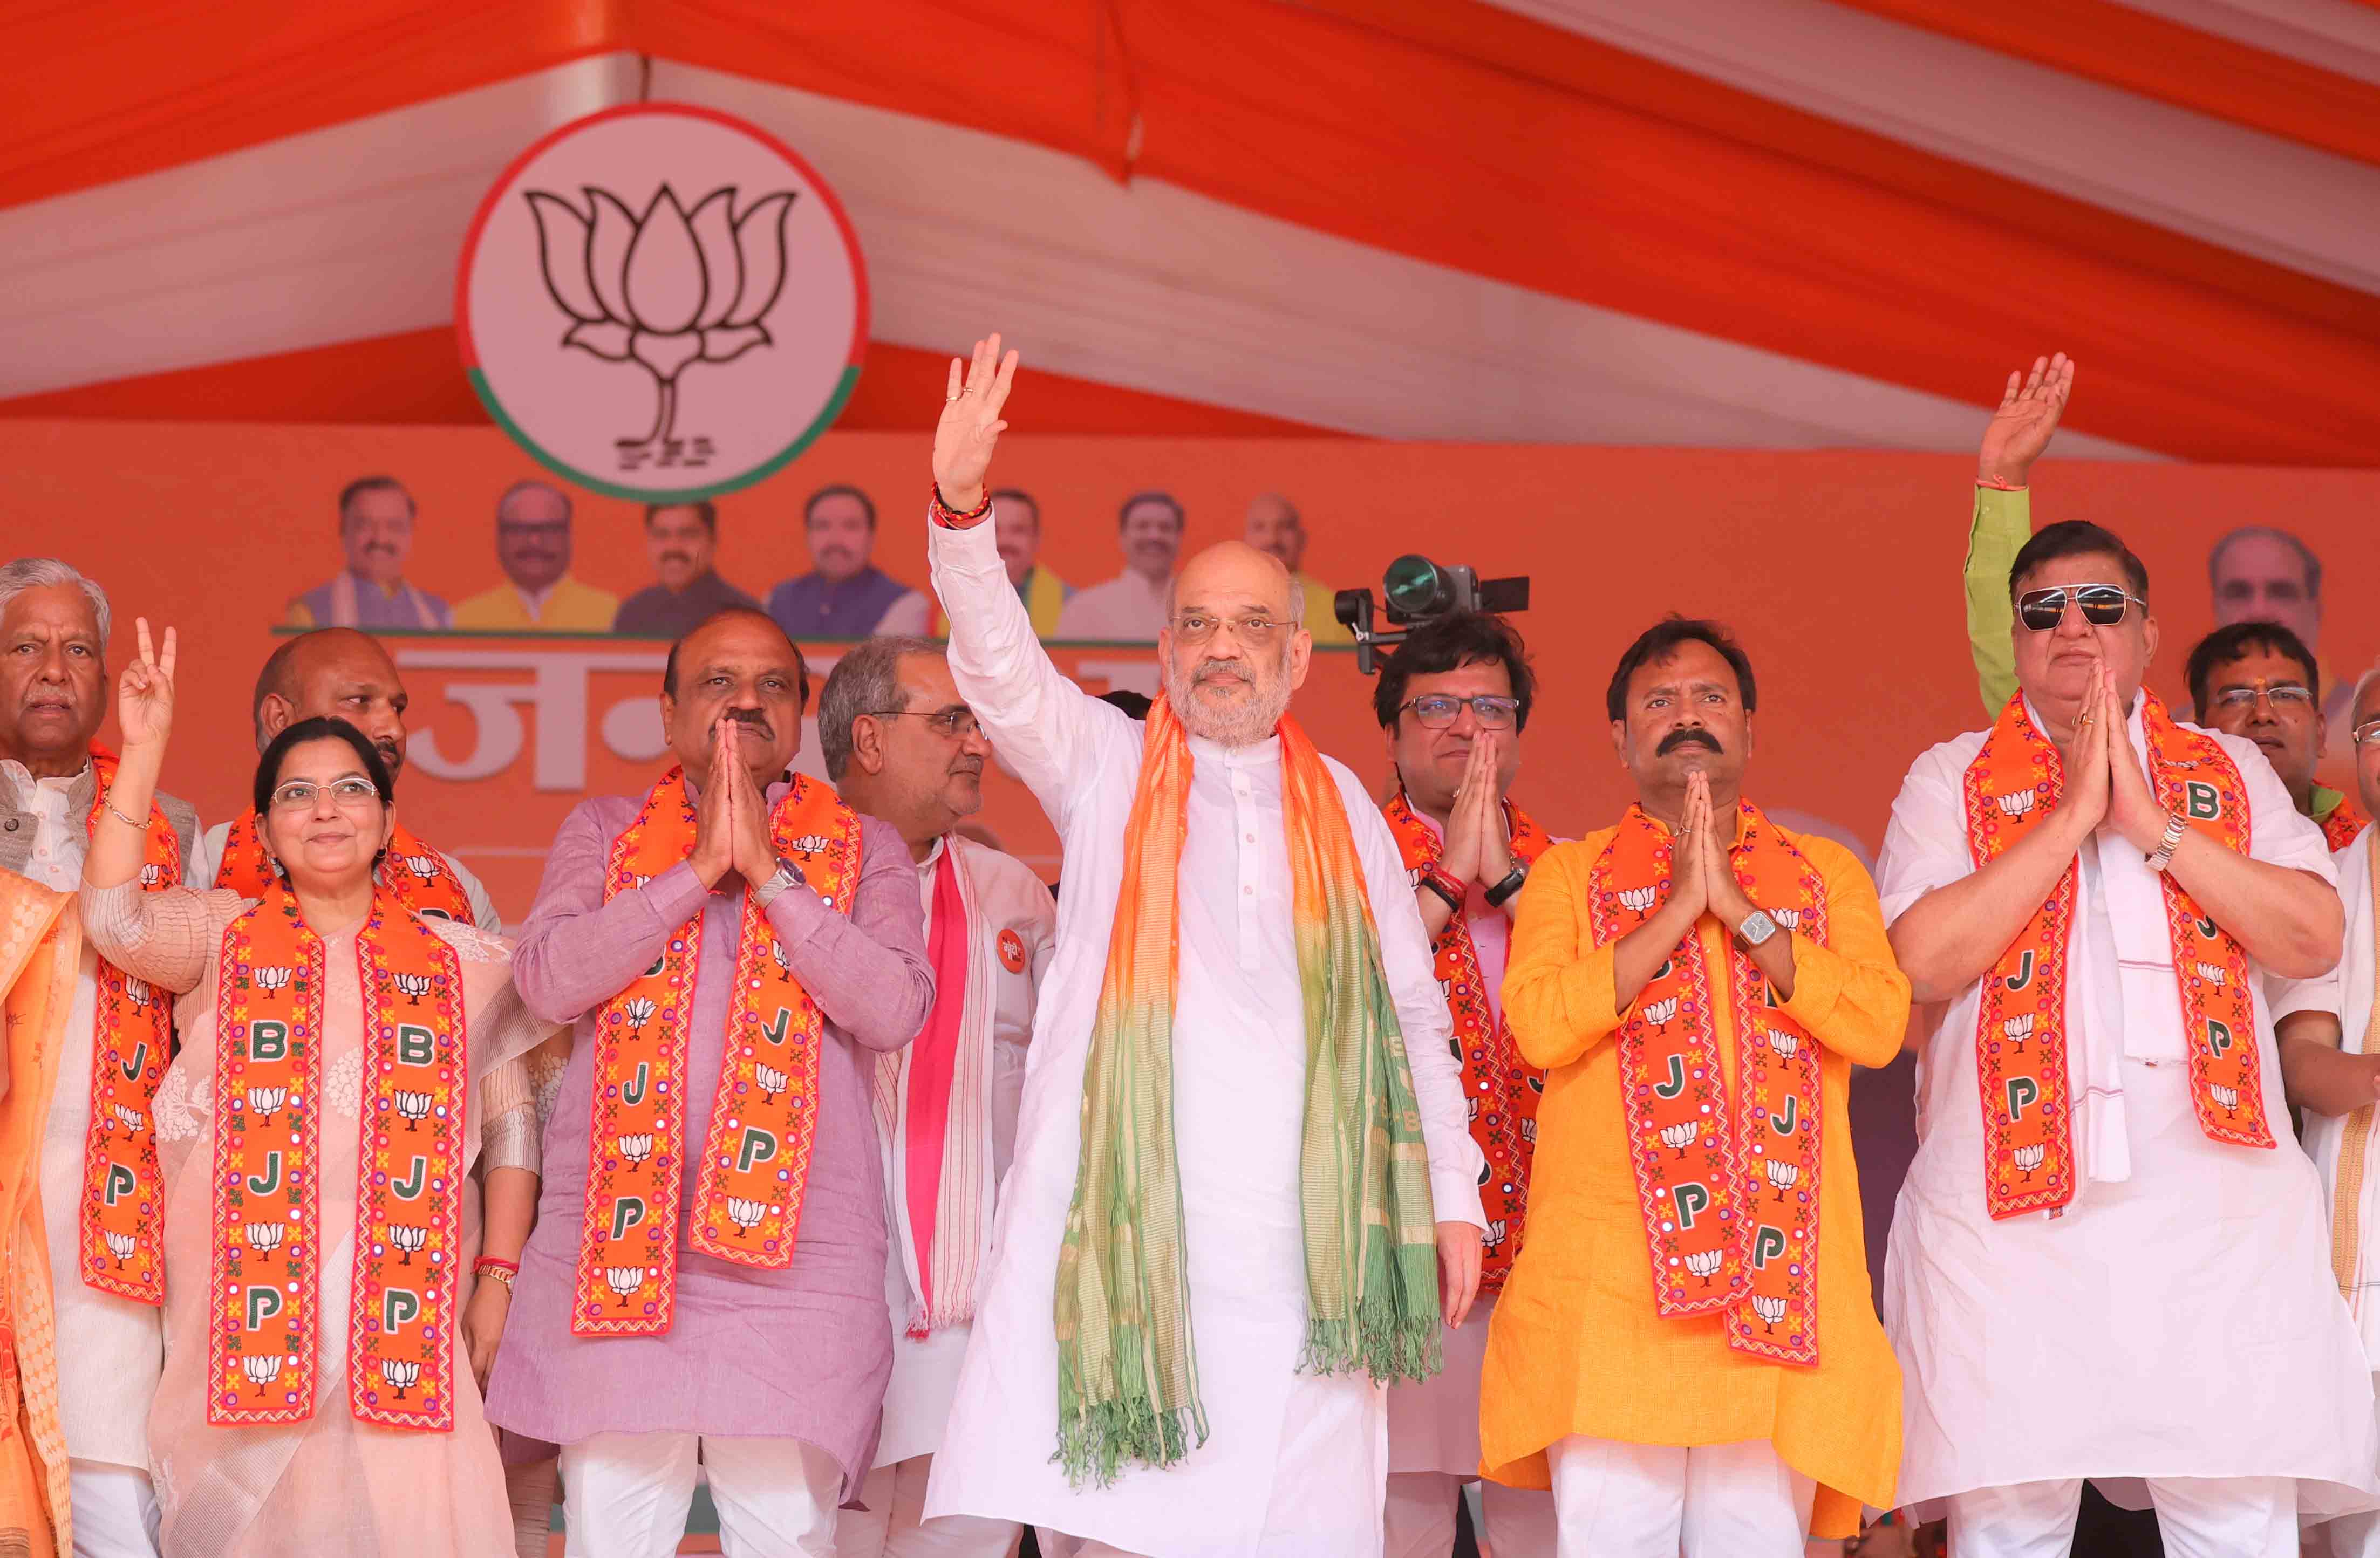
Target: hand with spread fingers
(2027, 416)
(971, 426)
(144, 694)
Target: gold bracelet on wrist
(109, 801)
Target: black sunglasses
(2102, 605)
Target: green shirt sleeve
(2003, 523)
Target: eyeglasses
(2103, 605)
(2366, 734)
(299, 795)
(1436, 713)
(1196, 627)
(954, 724)
(2281, 694)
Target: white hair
(48, 572)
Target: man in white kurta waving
(2107, 1262)
(1243, 1197)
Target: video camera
(1418, 591)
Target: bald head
(1234, 579)
(334, 673)
(1273, 527)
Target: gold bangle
(109, 801)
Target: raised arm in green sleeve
(2003, 523)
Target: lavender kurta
(801, 1353)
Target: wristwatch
(1499, 895)
(1757, 928)
(787, 874)
(2174, 828)
(1448, 891)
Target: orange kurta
(1575, 1346)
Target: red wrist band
(1996, 485)
(950, 518)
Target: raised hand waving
(2028, 415)
(971, 426)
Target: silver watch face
(1757, 928)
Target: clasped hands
(1702, 871)
(1478, 844)
(2105, 782)
(731, 827)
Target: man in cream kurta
(902, 745)
(1294, 1463)
(110, 1349)
(2175, 1321)
(2340, 1143)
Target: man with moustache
(2258, 680)
(1132, 606)
(376, 515)
(1275, 526)
(1686, 1351)
(99, 1182)
(2338, 1126)
(683, 541)
(1016, 523)
(347, 675)
(903, 745)
(734, 950)
(1244, 1199)
(1452, 699)
(844, 595)
(534, 549)
(2107, 899)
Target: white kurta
(1008, 898)
(111, 1351)
(1127, 607)
(2352, 1198)
(1294, 1463)
(2180, 1319)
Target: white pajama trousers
(1420, 1518)
(1655, 1501)
(2198, 1516)
(114, 1510)
(891, 1525)
(625, 1495)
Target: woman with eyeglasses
(343, 1064)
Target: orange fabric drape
(1450, 131)
(415, 378)
(2140, 52)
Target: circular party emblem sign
(661, 303)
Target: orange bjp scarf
(2014, 784)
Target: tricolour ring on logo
(661, 303)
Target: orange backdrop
(1840, 572)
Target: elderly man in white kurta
(901, 744)
(2338, 1132)
(1225, 1186)
(2106, 1262)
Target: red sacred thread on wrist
(486, 1262)
(950, 518)
(1996, 485)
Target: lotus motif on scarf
(667, 289)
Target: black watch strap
(1513, 882)
(1429, 880)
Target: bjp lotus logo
(667, 289)
(661, 303)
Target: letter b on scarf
(1692, 1200)
(415, 1047)
(268, 1040)
(2201, 801)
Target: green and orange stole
(121, 1241)
(1499, 1089)
(412, 1149)
(1128, 1368)
(415, 875)
(2344, 824)
(2020, 1029)
(1727, 1179)
(754, 1161)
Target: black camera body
(1418, 591)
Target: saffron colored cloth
(566, 606)
(1576, 1346)
(1294, 1463)
(331, 1483)
(2180, 1319)
(801, 1352)
(483, 906)
(41, 942)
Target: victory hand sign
(144, 694)
(2028, 415)
(971, 425)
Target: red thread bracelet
(950, 518)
